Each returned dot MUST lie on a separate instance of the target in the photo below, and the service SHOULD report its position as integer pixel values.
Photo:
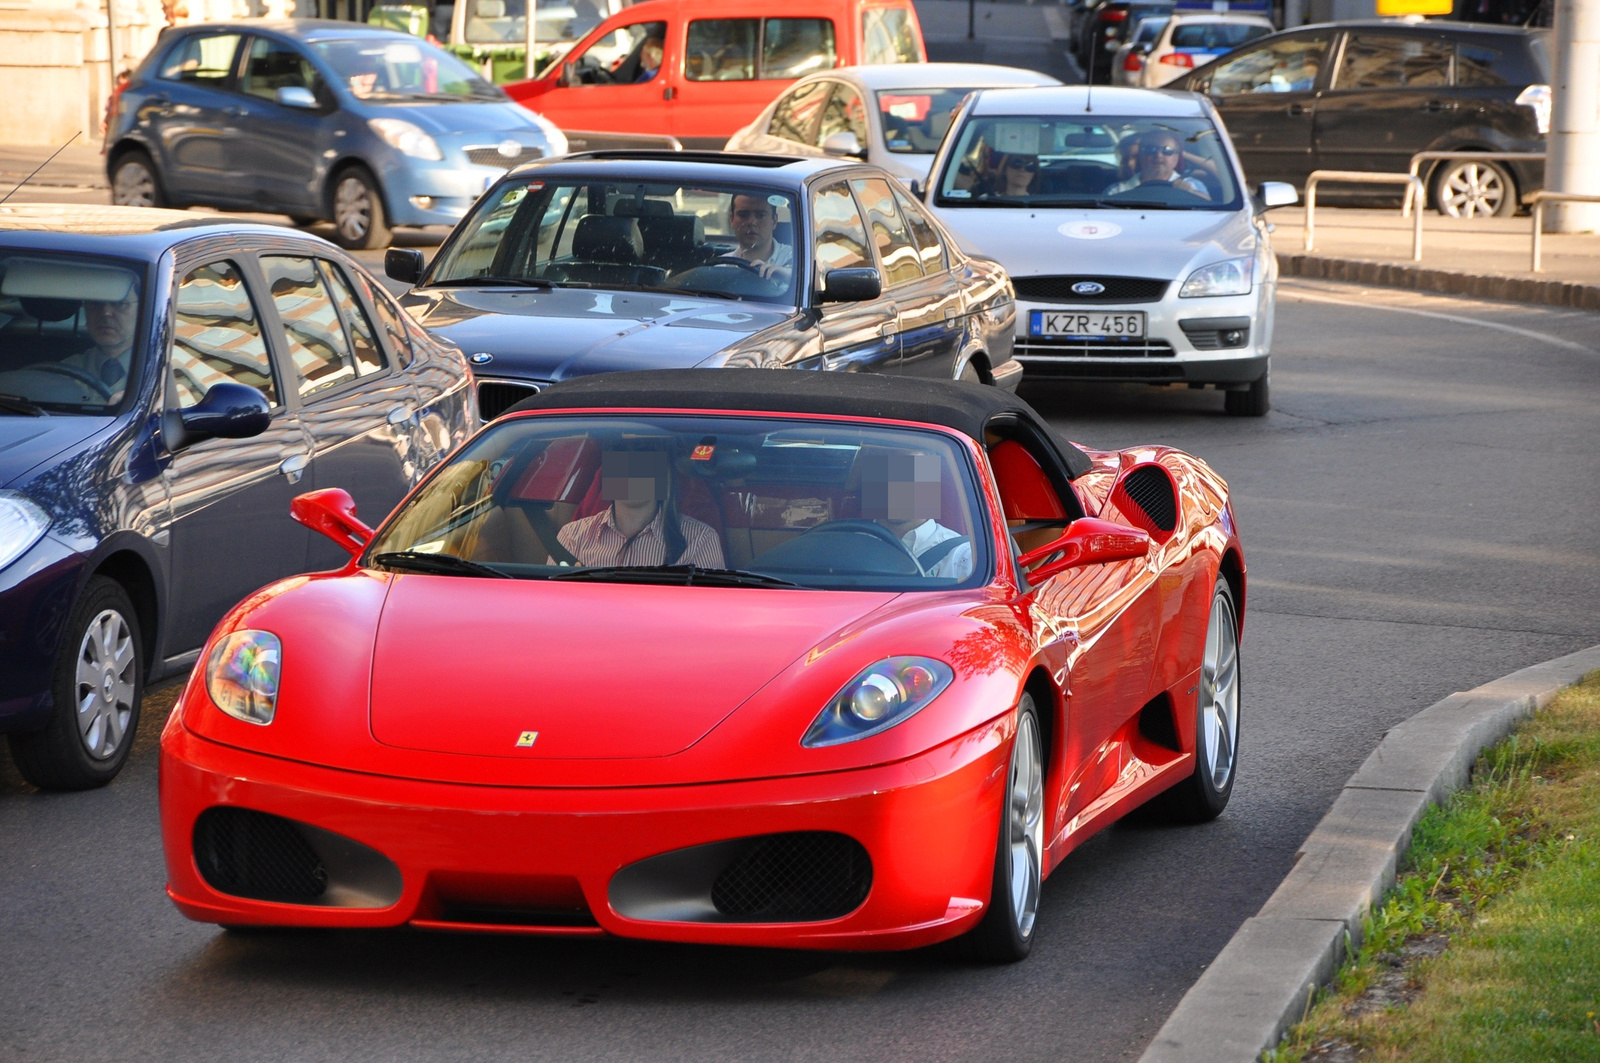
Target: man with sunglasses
(1157, 162)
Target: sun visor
(36, 278)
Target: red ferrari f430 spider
(743, 657)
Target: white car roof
(1079, 99)
(939, 75)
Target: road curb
(1517, 289)
(1263, 980)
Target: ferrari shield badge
(526, 739)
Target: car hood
(444, 118)
(1119, 243)
(596, 671)
(25, 442)
(568, 332)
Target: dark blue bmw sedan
(166, 387)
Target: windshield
(378, 69)
(681, 499)
(728, 243)
(68, 332)
(915, 120)
(506, 21)
(1089, 161)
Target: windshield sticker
(1017, 137)
(1089, 230)
(959, 193)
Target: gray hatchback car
(318, 120)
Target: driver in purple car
(753, 221)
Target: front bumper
(523, 849)
(37, 591)
(429, 192)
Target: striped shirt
(597, 541)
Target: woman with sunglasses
(1009, 174)
(1157, 162)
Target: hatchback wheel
(134, 182)
(358, 219)
(1470, 188)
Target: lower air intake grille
(1043, 348)
(252, 854)
(1114, 289)
(1150, 488)
(492, 157)
(496, 397)
(790, 877)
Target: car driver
(111, 325)
(642, 525)
(1157, 163)
(903, 493)
(753, 220)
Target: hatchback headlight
(1232, 277)
(22, 523)
(406, 138)
(242, 675)
(888, 693)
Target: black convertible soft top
(972, 409)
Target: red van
(698, 71)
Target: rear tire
(1006, 933)
(359, 221)
(1473, 188)
(134, 182)
(1254, 401)
(1204, 794)
(98, 685)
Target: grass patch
(1488, 947)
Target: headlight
(1537, 97)
(406, 138)
(888, 693)
(242, 675)
(1232, 277)
(22, 522)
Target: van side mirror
(1087, 541)
(1276, 194)
(332, 512)
(844, 143)
(226, 411)
(851, 285)
(403, 264)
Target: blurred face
(1158, 157)
(112, 324)
(650, 58)
(752, 220)
(1017, 172)
(1130, 156)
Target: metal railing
(1412, 182)
(1439, 156)
(1537, 200)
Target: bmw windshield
(1089, 161)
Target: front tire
(359, 222)
(1204, 794)
(134, 182)
(1474, 188)
(98, 685)
(1253, 401)
(1006, 933)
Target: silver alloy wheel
(105, 681)
(1219, 694)
(134, 185)
(1025, 813)
(352, 208)
(1472, 190)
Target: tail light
(1132, 63)
(1177, 59)
(1113, 16)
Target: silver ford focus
(1123, 219)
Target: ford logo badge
(1088, 288)
(480, 358)
(510, 149)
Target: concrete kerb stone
(1539, 290)
(1263, 980)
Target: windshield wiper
(493, 282)
(436, 564)
(18, 404)
(687, 575)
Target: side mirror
(917, 191)
(1276, 194)
(568, 76)
(844, 143)
(299, 98)
(1088, 541)
(332, 512)
(228, 411)
(851, 285)
(403, 264)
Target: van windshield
(506, 21)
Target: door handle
(399, 415)
(669, 92)
(294, 466)
(236, 112)
(1296, 109)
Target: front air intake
(252, 854)
(795, 877)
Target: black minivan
(1368, 95)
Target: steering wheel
(82, 376)
(863, 527)
(723, 260)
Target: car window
(839, 235)
(1149, 29)
(721, 49)
(1213, 35)
(617, 58)
(845, 113)
(887, 37)
(272, 66)
(1477, 66)
(318, 346)
(1374, 62)
(205, 59)
(69, 329)
(379, 68)
(390, 317)
(358, 328)
(915, 120)
(216, 335)
(929, 244)
(899, 254)
(795, 117)
(1289, 65)
(795, 47)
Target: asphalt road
(1418, 517)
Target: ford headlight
(406, 138)
(888, 693)
(242, 675)
(22, 522)
(1232, 277)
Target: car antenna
(41, 166)
(1088, 98)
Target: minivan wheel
(134, 182)
(98, 684)
(358, 219)
(1473, 188)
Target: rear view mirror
(403, 264)
(851, 285)
(844, 143)
(332, 512)
(1276, 194)
(1087, 541)
(299, 98)
(227, 411)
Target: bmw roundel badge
(480, 358)
(1088, 288)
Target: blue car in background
(167, 386)
(319, 120)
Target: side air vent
(246, 853)
(497, 396)
(1149, 499)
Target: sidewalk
(79, 165)
(1483, 257)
